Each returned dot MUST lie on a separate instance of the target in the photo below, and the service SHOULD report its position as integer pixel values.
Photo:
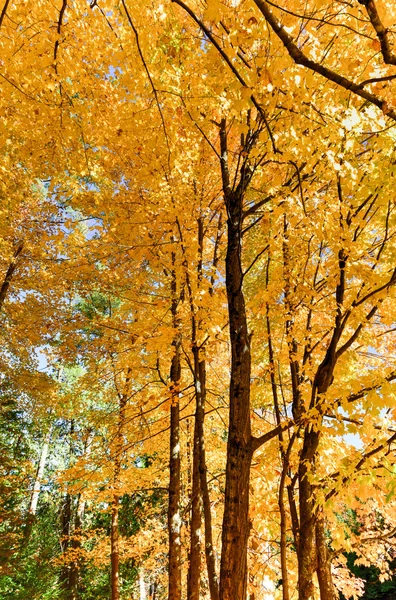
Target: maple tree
(197, 298)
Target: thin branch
(135, 31)
(228, 61)
(255, 260)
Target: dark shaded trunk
(174, 517)
(325, 579)
(194, 571)
(10, 272)
(307, 554)
(306, 546)
(200, 485)
(235, 532)
(293, 514)
(153, 591)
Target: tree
(200, 222)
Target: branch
(135, 31)
(300, 59)
(256, 442)
(255, 260)
(3, 12)
(59, 29)
(360, 464)
(235, 71)
(386, 285)
(9, 274)
(356, 333)
(381, 31)
(366, 390)
(255, 207)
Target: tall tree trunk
(115, 506)
(194, 570)
(200, 485)
(307, 554)
(115, 550)
(306, 546)
(66, 523)
(76, 545)
(142, 585)
(209, 550)
(284, 456)
(39, 473)
(78, 524)
(236, 526)
(323, 560)
(153, 591)
(174, 517)
(10, 272)
(37, 484)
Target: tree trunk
(306, 546)
(115, 550)
(37, 484)
(115, 507)
(200, 485)
(10, 272)
(209, 551)
(78, 524)
(323, 560)
(174, 518)
(142, 585)
(236, 526)
(66, 522)
(284, 456)
(153, 591)
(76, 544)
(40, 472)
(194, 571)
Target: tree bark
(78, 524)
(209, 550)
(115, 550)
(306, 547)
(236, 525)
(200, 485)
(66, 522)
(174, 518)
(153, 591)
(115, 506)
(37, 484)
(194, 571)
(284, 456)
(10, 272)
(325, 579)
(142, 585)
(76, 545)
